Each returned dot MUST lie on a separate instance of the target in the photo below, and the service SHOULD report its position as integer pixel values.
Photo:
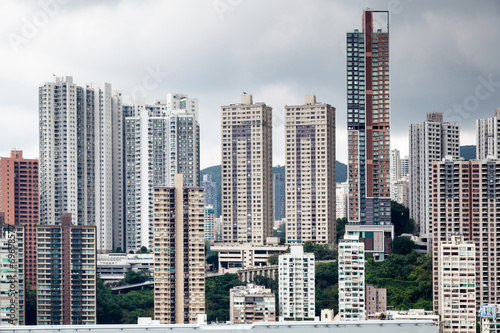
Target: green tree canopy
(402, 245)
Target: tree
(273, 259)
(133, 277)
(281, 233)
(400, 218)
(214, 260)
(30, 313)
(143, 249)
(321, 251)
(403, 245)
(341, 228)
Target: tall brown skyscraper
(19, 202)
(368, 125)
(179, 249)
(247, 175)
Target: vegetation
(400, 217)
(321, 251)
(402, 245)
(341, 228)
(217, 296)
(123, 308)
(327, 288)
(132, 277)
(407, 278)
(281, 233)
(30, 313)
(273, 259)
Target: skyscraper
(352, 302)
(310, 172)
(179, 251)
(81, 157)
(247, 177)
(368, 126)
(12, 277)
(19, 202)
(279, 196)
(161, 140)
(211, 195)
(430, 141)
(296, 284)
(66, 274)
(488, 137)
(465, 202)
(456, 284)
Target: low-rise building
(489, 316)
(251, 303)
(112, 267)
(235, 256)
(413, 314)
(376, 300)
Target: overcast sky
(444, 56)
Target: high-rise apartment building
(279, 196)
(12, 277)
(341, 200)
(296, 284)
(81, 157)
(161, 140)
(310, 172)
(66, 274)
(395, 165)
(404, 166)
(179, 250)
(19, 202)
(431, 140)
(211, 193)
(352, 303)
(465, 202)
(247, 176)
(209, 223)
(368, 126)
(488, 137)
(249, 304)
(456, 284)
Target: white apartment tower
(161, 140)
(310, 172)
(247, 178)
(296, 284)
(456, 274)
(81, 157)
(352, 302)
(430, 141)
(488, 137)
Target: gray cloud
(279, 51)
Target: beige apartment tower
(456, 274)
(465, 201)
(310, 172)
(179, 251)
(247, 175)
